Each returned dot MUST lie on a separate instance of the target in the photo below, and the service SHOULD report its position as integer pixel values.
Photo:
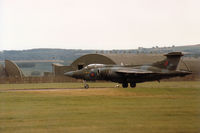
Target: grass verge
(169, 107)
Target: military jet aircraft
(124, 75)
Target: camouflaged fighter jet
(124, 75)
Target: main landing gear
(133, 85)
(86, 86)
(125, 85)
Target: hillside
(43, 54)
(68, 55)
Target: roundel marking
(92, 74)
(166, 63)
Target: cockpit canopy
(94, 66)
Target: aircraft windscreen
(94, 65)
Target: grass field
(168, 107)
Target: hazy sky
(98, 24)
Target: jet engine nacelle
(102, 72)
(105, 73)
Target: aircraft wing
(143, 72)
(133, 71)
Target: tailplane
(171, 62)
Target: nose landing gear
(86, 86)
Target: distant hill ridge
(72, 54)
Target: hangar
(11, 70)
(2, 71)
(117, 59)
(125, 59)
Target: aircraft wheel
(133, 85)
(86, 86)
(125, 85)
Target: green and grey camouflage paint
(166, 68)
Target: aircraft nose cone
(70, 74)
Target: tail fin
(171, 62)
